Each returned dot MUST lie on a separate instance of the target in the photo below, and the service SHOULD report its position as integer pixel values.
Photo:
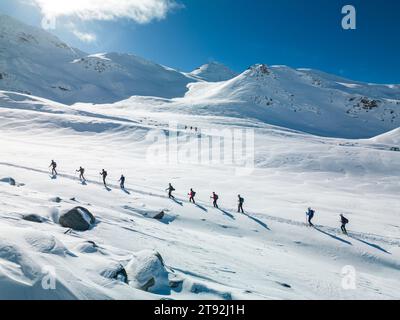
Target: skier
(81, 172)
(104, 174)
(240, 204)
(215, 199)
(53, 166)
(191, 195)
(122, 182)
(170, 189)
(310, 215)
(344, 221)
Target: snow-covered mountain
(303, 100)
(34, 61)
(213, 72)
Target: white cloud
(84, 36)
(140, 11)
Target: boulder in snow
(33, 218)
(78, 218)
(159, 216)
(116, 272)
(9, 180)
(146, 271)
(56, 199)
(87, 247)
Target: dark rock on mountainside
(78, 218)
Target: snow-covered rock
(146, 271)
(78, 218)
(33, 218)
(9, 180)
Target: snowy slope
(389, 138)
(213, 72)
(34, 61)
(268, 253)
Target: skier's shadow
(177, 201)
(108, 189)
(263, 224)
(227, 214)
(333, 236)
(201, 207)
(53, 177)
(370, 244)
(84, 183)
(126, 191)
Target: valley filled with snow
(317, 141)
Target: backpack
(216, 197)
(345, 220)
(193, 194)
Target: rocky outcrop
(78, 218)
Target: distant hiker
(215, 199)
(191, 195)
(191, 128)
(170, 189)
(81, 172)
(195, 129)
(122, 182)
(240, 204)
(344, 221)
(186, 127)
(53, 166)
(104, 174)
(310, 215)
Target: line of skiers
(191, 128)
(214, 197)
(343, 220)
(309, 214)
(81, 171)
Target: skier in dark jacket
(53, 166)
(104, 174)
(310, 215)
(215, 199)
(122, 182)
(344, 221)
(240, 204)
(81, 172)
(191, 195)
(170, 189)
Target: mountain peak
(259, 69)
(214, 72)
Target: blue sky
(240, 33)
